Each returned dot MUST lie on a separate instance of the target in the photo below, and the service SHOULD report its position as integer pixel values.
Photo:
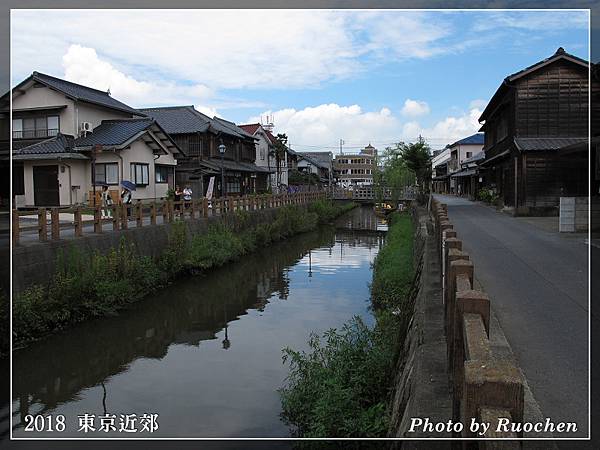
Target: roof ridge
(36, 73)
(154, 108)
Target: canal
(205, 354)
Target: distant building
(321, 161)
(460, 151)
(356, 169)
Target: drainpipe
(154, 182)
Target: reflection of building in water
(187, 313)
(362, 218)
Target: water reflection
(204, 353)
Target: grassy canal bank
(342, 386)
(99, 285)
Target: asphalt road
(538, 285)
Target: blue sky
(364, 76)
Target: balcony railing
(34, 134)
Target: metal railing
(49, 226)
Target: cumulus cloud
(414, 108)
(446, 130)
(327, 123)
(82, 65)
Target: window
(139, 174)
(162, 174)
(35, 127)
(262, 153)
(469, 154)
(195, 145)
(17, 128)
(233, 185)
(502, 130)
(107, 173)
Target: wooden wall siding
(549, 177)
(553, 102)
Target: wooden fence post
(15, 227)
(139, 220)
(153, 213)
(204, 207)
(55, 223)
(97, 219)
(124, 217)
(78, 221)
(42, 224)
(115, 216)
(165, 211)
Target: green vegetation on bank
(87, 286)
(341, 386)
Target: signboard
(211, 187)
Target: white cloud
(414, 108)
(325, 124)
(230, 48)
(82, 65)
(446, 130)
(478, 103)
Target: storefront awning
(495, 158)
(464, 173)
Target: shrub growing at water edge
(328, 210)
(340, 387)
(84, 286)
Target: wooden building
(534, 119)
(200, 136)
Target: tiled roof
(550, 143)
(114, 132)
(83, 93)
(308, 156)
(251, 128)
(215, 165)
(230, 128)
(474, 139)
(57, 144)
(323, 158)
(179, 119)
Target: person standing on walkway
(107, 203)
(177, 197)
(187, 194)
(126, 199)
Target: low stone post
(494, 383)
(455, 269)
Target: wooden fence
(486, 387)
(48, 224)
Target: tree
(402, 166)
(278, 152)
(417, 157)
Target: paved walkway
(538, 283)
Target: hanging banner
(211, 186)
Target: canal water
(205, 354)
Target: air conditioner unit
(86, 127)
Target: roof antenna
(108, 90)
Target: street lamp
(222, 150)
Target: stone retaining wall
(36, 263)
(485, 386)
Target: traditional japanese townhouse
(308, 164)
(67, 138)
(535, 116)
(468, 180)
(200, 137)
